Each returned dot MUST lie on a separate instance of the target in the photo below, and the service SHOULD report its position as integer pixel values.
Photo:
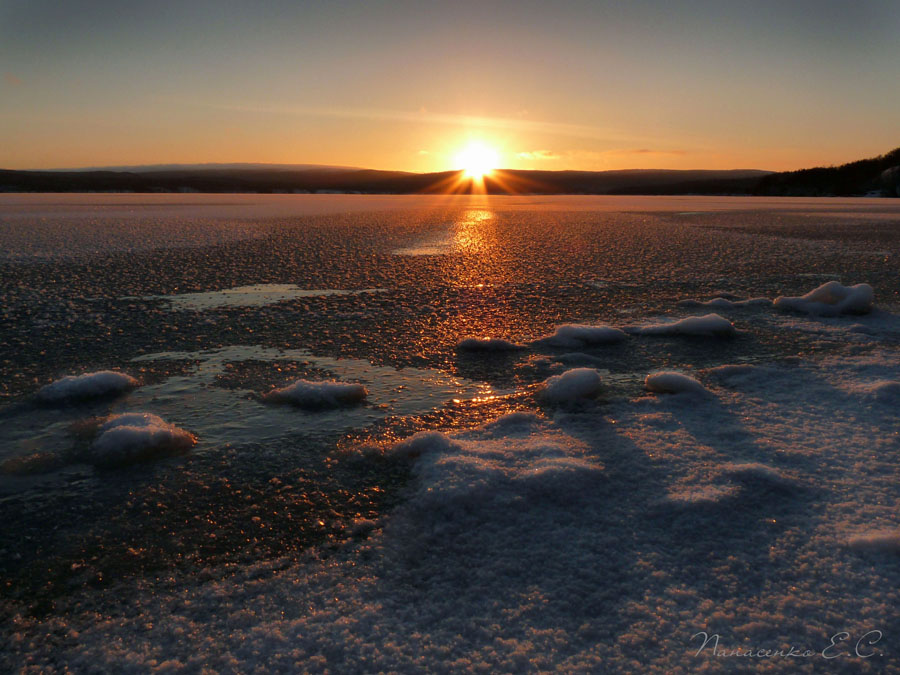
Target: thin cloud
(644, 151)
(539, 155)
(11, 80)
(424, 116)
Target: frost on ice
(318, 395)
(671, 382)
(89, 385)
(572, 386)
(136, 437)
(831, 299)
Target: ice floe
(88, 385)
(318, 395)
(830, 299)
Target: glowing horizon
(583, 86)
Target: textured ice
(671, 382)
(572, 386)
(711, 325)
(576, 336)
(318, 395)
(89, 385)
(136, 437)
(831, 299)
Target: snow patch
(571, 386)
(830, 299)
(575, 336)
(709, 325)
(89, 385)
(671, 382)
(137, 437)
(318, 395)
(726, 303)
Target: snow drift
(575, 336)
(709, 325)
(671, 382)
(318, 395)
(89, 385)
(831, 299)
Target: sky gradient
(405, 85)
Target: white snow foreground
(136, 437)
(88, 385)
(831, 299)
(708, 325)
(318, 395)
(576, 336)
(572, 386)
(529, 545)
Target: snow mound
(473, 344)
(831, 299)
(887, 541)
(726, 303)
(484, 475)
(318, 395)
(572, 386)
(754, 475)
(735, 372)
(697, 498)
(89, 385)
(423, 443)
(575, 336)
(137, 437)
(671, 382)
(711, 325)
(883, 391)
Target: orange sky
(402, 85)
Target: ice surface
(572, 386)
(831, 299)
(318, 395)
(89, 385)
(136, 437)
(709, 325)
(671, 382)
(577, 336)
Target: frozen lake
(533, 523)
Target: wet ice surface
(764, 510)
(247, 296)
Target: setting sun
(477, 160)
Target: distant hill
(877, 176)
